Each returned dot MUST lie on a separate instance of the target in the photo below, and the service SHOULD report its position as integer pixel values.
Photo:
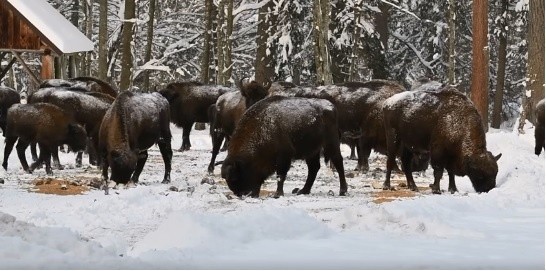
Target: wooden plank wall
(15, 33)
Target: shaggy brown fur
(8, 97)
(46, 124)
(189, 103)
(275, 131)
(130, 127)
(446, 125)
(227, 111)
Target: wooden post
(47, 66)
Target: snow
(63, 34)
(151, 227)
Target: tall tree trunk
(479, 84)
(353, 73)
(451, 41)
(339, 55)
(126, 52)
(220, 38)
(535, 68)
(501, 67)
(88, 32)
(74, 18)
(149, 41)
(264, 64)
(228, 42)
(205, 58)
(321, 15)
(103, 39)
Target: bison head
(239, 179)
(76, 137)
(123, 164)
(482, 170)
(253, 91)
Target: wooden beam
(3, 72)
(27, 69)
(41, 51)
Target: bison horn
(498, 157)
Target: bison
(189, 103)
(359, 110)
(227, 111)
(275, 131)
(8, 97)
(130, 127)
(43, 123)
(539, 127)
(445, 125)
(88, 109)
(83, 83)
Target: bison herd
(265, 126)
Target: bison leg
(391, 162)
(22, 145)
(438, 172)
(539, 139)
(167, 155)
(407, 157)
(79, 159)
(10, 141)
(452, 187)
(186, 145)
(55, 155)
(353, 154)
(313, 166)
(283, 165)
(33, 152)
(92, 151)
(364, 151)
(337, 161)
(217, 138)
(45, 157)
(105, 166)
(142, 156)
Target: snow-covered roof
(53, 26)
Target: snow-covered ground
(152, 227)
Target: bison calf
(445, 125)
(45, 124)
(275, 131)
(539, 127)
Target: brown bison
(8, 97)
(445, 125)
(539, 127)
(227, 111)
(83, 83)
(275, 131)
(189, 103)
(130, 127)
(88, 109)
(43, 123)
(359, 110)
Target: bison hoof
(166, 181)
(386, 187)
(5, 166)
(278, 194)
(342, 193)
(1, 181)
(210, 170)
(453, 190)
(413, 188)
(295, 190)
(303, 191)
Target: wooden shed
(34, 26)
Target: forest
(481, 47)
